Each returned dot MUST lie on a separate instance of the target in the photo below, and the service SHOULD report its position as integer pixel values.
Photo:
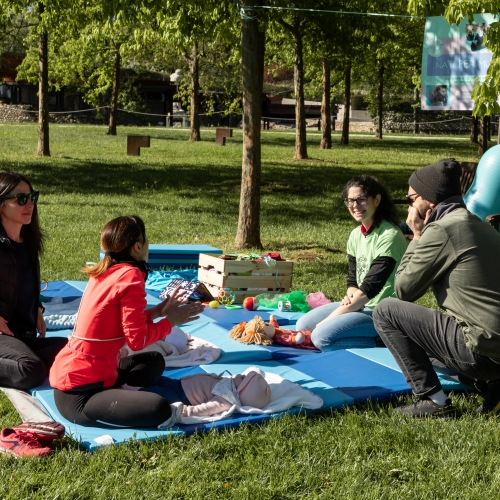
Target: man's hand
(416, 222)
(4, 329)
(40, 325)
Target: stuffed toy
(251, 332)
(291, 338)
(257, 331)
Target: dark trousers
(115, 407)
(414, 333)
(170, 389)
(24, 364)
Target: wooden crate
(239, 275)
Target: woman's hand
(346, 300)
(163, 309)
(40, 324)
(183, 313)
(4, 329)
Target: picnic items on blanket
(158, 280)
(317, 299)
(283, 396)
(297, 300)
(256, 331)
(195, 290)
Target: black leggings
(24, 364)
(116, 407)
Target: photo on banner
(452, 58)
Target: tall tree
(190, 27)
(252, 63)
(43, 85)
(326, 121)
(296, 26)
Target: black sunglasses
(22, 198)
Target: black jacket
(10, 273)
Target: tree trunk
(380, 99)
(113, 111)
(252, 63)
(483, 136)
(416, 128)
(474, 130)
(43, 90)
(326, 119)
(298, 83)
(489, 128)
(347, 104)
(194, 69)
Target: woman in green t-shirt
(374, 250)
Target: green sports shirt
(386, 240)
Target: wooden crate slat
(224, 281)
(240, 294)
(243, 266)
(257, 282)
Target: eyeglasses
(22, 198)
(409, 197)
(360, 200)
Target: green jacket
(458, 256)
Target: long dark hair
(118, 236)
(371, 187)
(31, 233)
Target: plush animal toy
(251, 332)
(257, 331)
(291, 338)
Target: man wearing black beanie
(454, 252)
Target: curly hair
(371, 186)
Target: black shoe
(426, 408)
(491, 403)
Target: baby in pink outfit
(208, 394)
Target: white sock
(438, 398)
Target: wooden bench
(221, 134)
(136, 142)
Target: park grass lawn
(189, 193)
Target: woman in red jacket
(89, 378)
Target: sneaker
(427, 408)
(491, 403)
(22, 444)
(44, 431)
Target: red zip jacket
(112, 313)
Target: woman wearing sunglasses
(25, 354)
(374, 250)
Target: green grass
(187, 193)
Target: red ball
(251, 303)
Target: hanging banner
(452, 58)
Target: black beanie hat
(439, 181)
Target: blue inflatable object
(483, 197)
